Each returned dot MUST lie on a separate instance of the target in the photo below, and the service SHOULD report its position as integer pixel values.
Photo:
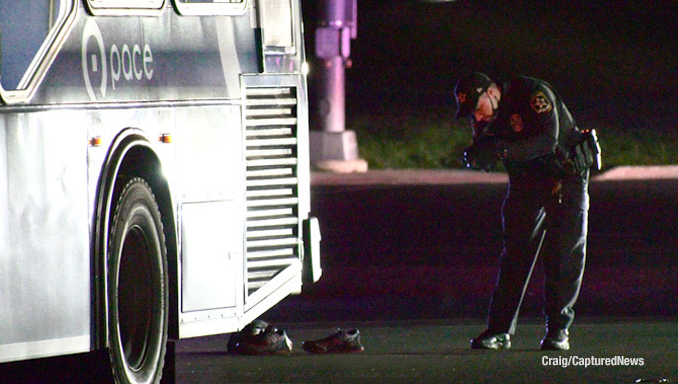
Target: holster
(586, 153)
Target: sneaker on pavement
(491, 340)
(260, 338)
(342, 341)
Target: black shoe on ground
(490, 340)
(260, 338)
(556, 341)
(340, 342)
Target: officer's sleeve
(543, 141)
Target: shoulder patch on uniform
(540, 103)
(516, 123)
(461, 98)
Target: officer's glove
(587, 154)
(482, 154)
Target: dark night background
(613, 61)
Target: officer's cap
(468, 91)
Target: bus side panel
(44, 236)
(211, 189)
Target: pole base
(342, 166)
(336, 152)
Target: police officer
(524, 123)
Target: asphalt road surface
(604, 351)
(410, 259)
(422, 246)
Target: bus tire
(137, 287)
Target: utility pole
(333, 148)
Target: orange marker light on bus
(96, 141)
(165, 138)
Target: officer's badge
(516, 123)
(540, 103)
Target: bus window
(211, 7)
(25, 27)
(276, 15)
(125, 7)
(211, 1)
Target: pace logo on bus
(117, 66)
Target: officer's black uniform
(534, 134)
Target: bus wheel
(137, 287)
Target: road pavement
(416, 245)
(410, 258)
(604, 351)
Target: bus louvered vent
(272, 198)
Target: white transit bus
(154, 174)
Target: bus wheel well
(139, 161)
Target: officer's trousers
(562, 252)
